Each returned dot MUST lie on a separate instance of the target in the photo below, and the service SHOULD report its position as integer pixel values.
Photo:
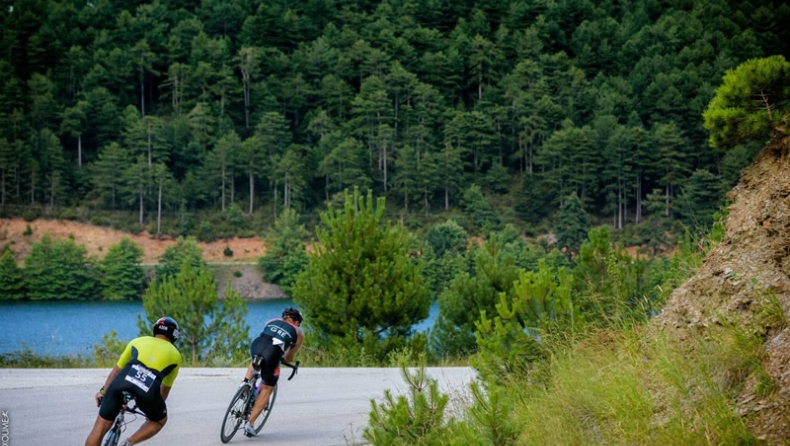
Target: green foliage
(285, 255)
(12, 283)
(209, 329)
(360, 287)
(172, 260)
(612, 284)
(60, 269)
(752, 103)
(28, 359)
(416, 103)
(122, 276)
(227, 252)
(235, 217)
(540, 303)
(468, 295)
(572, 225)
(447, 237)
(492, 412)
(416, 418)
(483, 216)
(107, 352)
(699, 199)
(658, 227)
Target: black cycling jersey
(283, 333)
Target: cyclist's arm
(291, 353)
(113, 373)
(164, 391)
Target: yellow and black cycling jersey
(156, 354)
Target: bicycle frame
(119, 425)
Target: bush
(227, 252)
(31, 213)
(107, 352)
(27, 358)
(205, 232)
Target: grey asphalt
(320, 406)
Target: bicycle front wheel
(234, 416)
(266, 412)
(112, 437)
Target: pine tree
(12, 283)
(572, 225)
(360, 288)
(470, 294)
(60, 269)
(285, 255)
(752, 103)
(122, 276)
(210, 329)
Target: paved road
(320, 406)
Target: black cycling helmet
(294, 314)
(167, 326)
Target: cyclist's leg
(260, 402)
(100, 429)
(147, 430)
(153, 406)
(270, 373)
(110, 406)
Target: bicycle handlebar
(295, 368)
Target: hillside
(754, 257)
(97, 239)
(242, 271)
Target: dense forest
(197, 116)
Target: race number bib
(141, 377)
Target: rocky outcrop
(752, 260)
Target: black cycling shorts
(270, 369)
(150, 402)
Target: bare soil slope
(98, 239)
(753, 257)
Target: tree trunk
(142, 88)
(638, 216)
(252, 190)
(141, 206)
(159, 211)
(223, 187)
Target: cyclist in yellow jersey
(147, 369)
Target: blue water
(72, 327)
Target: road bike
(129, 406)
(241, 404)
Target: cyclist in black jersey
(280, 339)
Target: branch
(767, 105)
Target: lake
(70, 327)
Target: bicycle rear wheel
(234, 416)
(266, 412)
